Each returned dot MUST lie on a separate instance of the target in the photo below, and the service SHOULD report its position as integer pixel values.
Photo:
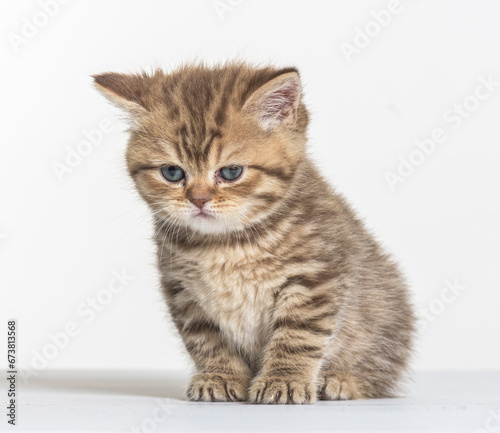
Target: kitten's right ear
(127, 92)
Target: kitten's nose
(199, 202)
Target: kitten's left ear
(276, 102)
(128, 92)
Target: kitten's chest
(236, 290)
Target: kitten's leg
(302, 328)
(222, 374)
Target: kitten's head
(212, 149)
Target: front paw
(217, 387)
(282, 390)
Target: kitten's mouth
(202, 215)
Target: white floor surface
(155, 402)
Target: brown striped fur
(281, 296)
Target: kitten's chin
(209, 225)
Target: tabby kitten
(278, 291)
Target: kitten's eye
(231, 172)
(172, 173)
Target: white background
(61, 240)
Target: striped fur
(281, 296)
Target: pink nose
(199, 202)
